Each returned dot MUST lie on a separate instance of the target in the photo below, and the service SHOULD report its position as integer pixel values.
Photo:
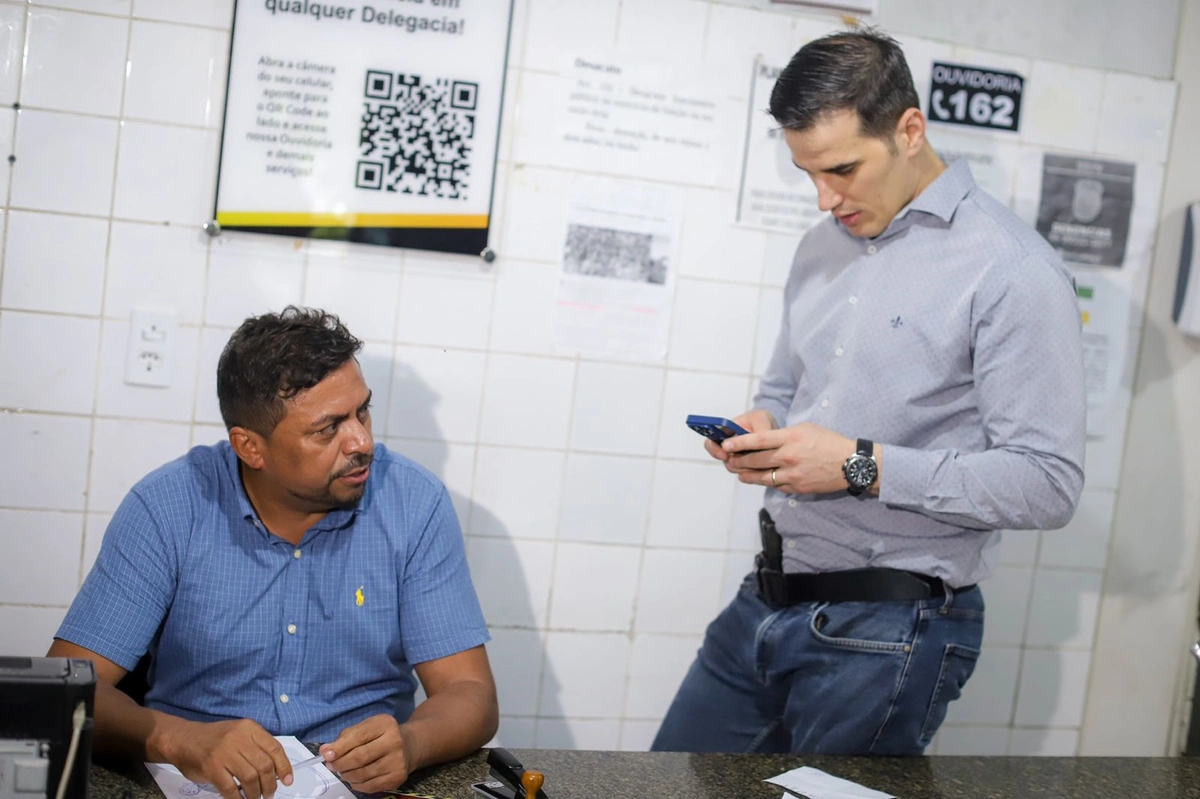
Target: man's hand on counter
(371, 756)
(220, 752)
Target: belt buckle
(772, 587)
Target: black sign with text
(975, 96)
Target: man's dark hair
(273, 357)
(861, 70)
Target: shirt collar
(940, 199)
(942, 196)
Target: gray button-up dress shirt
(953, 340)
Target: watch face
(860, 471)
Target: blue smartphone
(715, 428)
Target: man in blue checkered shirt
(288, 581)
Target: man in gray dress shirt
(926, 390)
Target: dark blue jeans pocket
(958, 664)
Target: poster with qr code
(373, 122)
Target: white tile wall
(591, 681)
(176, 73)
(605, 499)
(46, 463)
(116, 466)
(601, 537)
(29, 630)
(585, 572)
(214, 13)
(41, 556)
(56, 358)
(75, 62)
(964, 740)
(528, 401)
(691, 504)
(54, 150)
(594, 734)
(156, 266)
(616, 408)
(12, 40)
(151, 151)
(520, 490)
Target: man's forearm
(123, 728)
(460, 719)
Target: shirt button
(283, 698)
(791, 503)
(853, 300)
(791, 544)
(296, 554)
(872, 250)
(824, 403)
(838, 352)
(291, 629)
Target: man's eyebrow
(328, 419)
(846, 167)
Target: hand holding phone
(715, 428)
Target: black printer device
(46, 707)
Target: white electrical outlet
(149, 360)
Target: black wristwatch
(860, 469)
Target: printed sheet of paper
(642, 118)
(314, 782)
(816, 784)
(773, 194)
(1105, 310)
(619, 259)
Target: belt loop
(949, 601)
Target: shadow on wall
(530, 712)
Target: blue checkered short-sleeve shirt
(306, 640)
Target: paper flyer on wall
(363, 121)
(1104, 308)
(773, 193)
(637, 117)
(620, 256)
(1085, 209)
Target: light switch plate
(149, 359)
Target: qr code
(416, 135)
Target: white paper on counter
(816, 784)
(310, 783)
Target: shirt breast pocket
(361, 616)
(920, 350)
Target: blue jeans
(847, 678)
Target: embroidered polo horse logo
(358, 596)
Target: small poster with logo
(1085, 208)
(975, 96)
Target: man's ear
(248, 445)
(910, 132)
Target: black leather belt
(854, 585)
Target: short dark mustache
(357, 462)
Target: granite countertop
(670, 775)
